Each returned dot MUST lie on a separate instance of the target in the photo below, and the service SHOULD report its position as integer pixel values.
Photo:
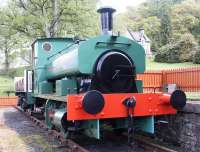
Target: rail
(73, 146)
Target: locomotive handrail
(59, 52)
(112, 43)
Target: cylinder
(60, 119)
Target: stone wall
(183, 129)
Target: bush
(15, 72)
(196, 58)
(154, 46)
(187, 45)
(168, 53)
(180, 51)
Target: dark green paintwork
(87, 54)
(45, 87)
(92, 128)
(139, 86)
(145, 124)
(42, 57)
(29, 98)
(64, 87)
(89, 51)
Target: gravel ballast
(19, 134)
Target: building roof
(138, 36)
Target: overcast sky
(3, 2)
(120, 5)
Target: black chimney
(106, 19)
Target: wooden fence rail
(8, 101)
(187, 79)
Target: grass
(151, 65)
(6, 84)
(194, 96)
(40, 141)
(7, 80)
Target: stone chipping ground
(19, 134)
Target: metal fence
(187, 79)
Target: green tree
(22, 21)
(7, 42)
(181, 51)
(168, 24)
(51, 18)
(186, 18)
(165, 19)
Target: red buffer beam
(146, 105)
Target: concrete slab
(192, 107)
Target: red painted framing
(146, 105)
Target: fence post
(164, 79)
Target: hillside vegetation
(22, 21)
(6, 84)
(173, 27)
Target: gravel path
(19, 134)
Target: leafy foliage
(36, 18)
(168, 53)
(169, 24)
(25, 20)
(186, 19)
(181, 51)
(196, 58)
(187, 45)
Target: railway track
(73, 146)
(77, 147)
(152, 146)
